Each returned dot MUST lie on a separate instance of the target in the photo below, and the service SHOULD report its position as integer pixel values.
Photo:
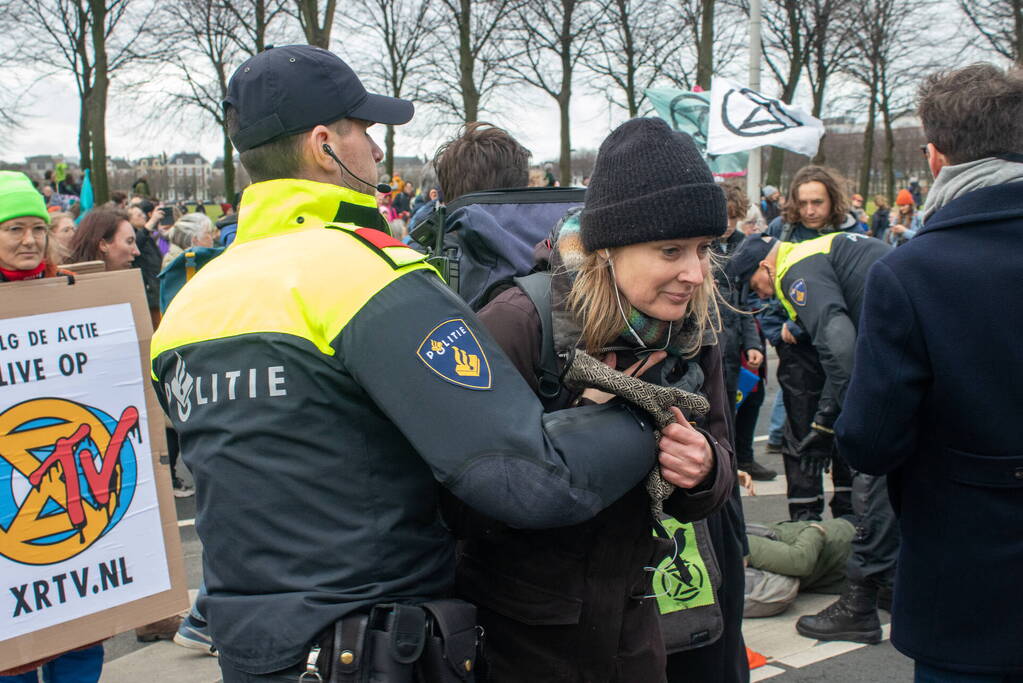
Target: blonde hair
(594, 301)
(56, 253)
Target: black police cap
(290, 89)
(746, 259)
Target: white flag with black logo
(742, 119)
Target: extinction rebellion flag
(743, 119)
(688, 112)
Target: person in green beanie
(25, 249)
(28, 253)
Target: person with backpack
(352, 387)
(628, 283)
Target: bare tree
(786, 50)
(10, 97)
(705, 40)
(203, 61)
(398, 26)
(92, 40)
(893, 48)
(999, 23)
(553, 37)
(316, 30)
(830, 29)
(255, 19)
(636, 41)
(471, 34)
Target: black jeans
(802, 378)
(746, 425)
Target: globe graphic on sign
(53, 509)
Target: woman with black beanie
(630, 285)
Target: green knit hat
(19, 197)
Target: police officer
(820, 283)
(323, 379)
(816, 206)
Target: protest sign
(89, 543)
(743, 119)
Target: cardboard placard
(82, 558)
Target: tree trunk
(388, 153)
(867, 162)
(467, 64)
(705, 52)
(889, 149)
(777, 163)
(566, 141)
(1017, 15)
(228, 169)
(97, 102)
(84, 140)
(308, 14)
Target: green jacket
(799, 549)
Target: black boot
(852, 617)
(884, 598)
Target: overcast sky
(138, 123)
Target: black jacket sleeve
(878, 429)
(493, 447)
(825, 316)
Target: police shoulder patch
(453, 352)
(797, 292)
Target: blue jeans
(929, 674)
(77, 666)
(777, 421)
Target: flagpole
(753, 175)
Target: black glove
(816, 450)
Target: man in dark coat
(935, 395)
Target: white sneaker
(182, 490)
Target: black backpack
(488, 237)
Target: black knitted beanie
(650, 183)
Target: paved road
(792, 658)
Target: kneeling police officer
(821, 283)
(323, 379)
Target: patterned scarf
(566, 258)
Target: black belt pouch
(450, 655)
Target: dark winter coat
(567, 604)
(934, 402)
(739, 332)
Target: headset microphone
(382, 188)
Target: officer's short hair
(481, 157)
(974, 112)
(280, 158)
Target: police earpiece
(382, 188)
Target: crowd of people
(607, 395)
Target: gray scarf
(955, 181)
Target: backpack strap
(537, 287)
(786, 232)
